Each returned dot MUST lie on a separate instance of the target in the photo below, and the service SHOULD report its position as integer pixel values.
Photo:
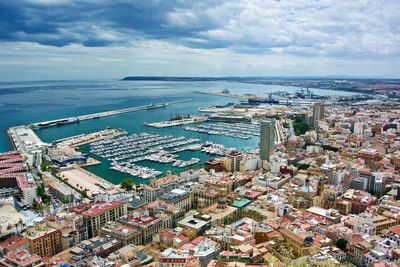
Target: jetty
(98, 115)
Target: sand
(9, 215)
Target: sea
(29, 102)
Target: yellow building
(44, 240)
(299, 242)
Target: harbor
(235, 130)
(125, 152)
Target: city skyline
(62, 39)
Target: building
(356, 249)
(123, 233)
(148, 225)
(267, 138)
(199, 252)
(44, 240)
(130, 255)
(87, 250)
(179, 197)
(197, 222)
(300, 242)
(173, 237)
(61, 192)
(157, 187)
(21, 258)
(221, 213)
(13, 243)
(214, 164)
(249, 162)
(369, 224)
(230, 236)
(359, 200)
(14, 181)
(235, 157)
(358, 127)
(72, 226)
(162, 207)
(97, 214)
(329, 214)
(318, 114)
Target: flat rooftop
(192, 222)
(101, 207)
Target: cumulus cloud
(252, 29)
(324, 27)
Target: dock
(171, 123)
(24, 139)
(98, 115)
(242, 97)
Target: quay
(24, 139)
(171, 123)
(84, 139)
(244, 97)
(104, 114)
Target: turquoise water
(28, 102)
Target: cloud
(311, 27)
(297, 32)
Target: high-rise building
(318, 113)
(267, 138)
(236, 157)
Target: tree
(341, 243)
(84, 193)
(42, 194)
(127, 184)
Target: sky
(92, 39)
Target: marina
(235, 130)
(125, 152)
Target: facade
(14, 181)
(72, 226)
(318, 113)
(97, 214)
(267, 139)
(161, 207)
(148, 225)
(235, 157)
(179, 197)
(44, 240)
(123, 233)
(61, 192)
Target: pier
(104, 114)
(177, 122)
(243, 97)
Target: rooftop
(22, 258)
(101, 207)
(241, 203)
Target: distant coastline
(356, 85)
